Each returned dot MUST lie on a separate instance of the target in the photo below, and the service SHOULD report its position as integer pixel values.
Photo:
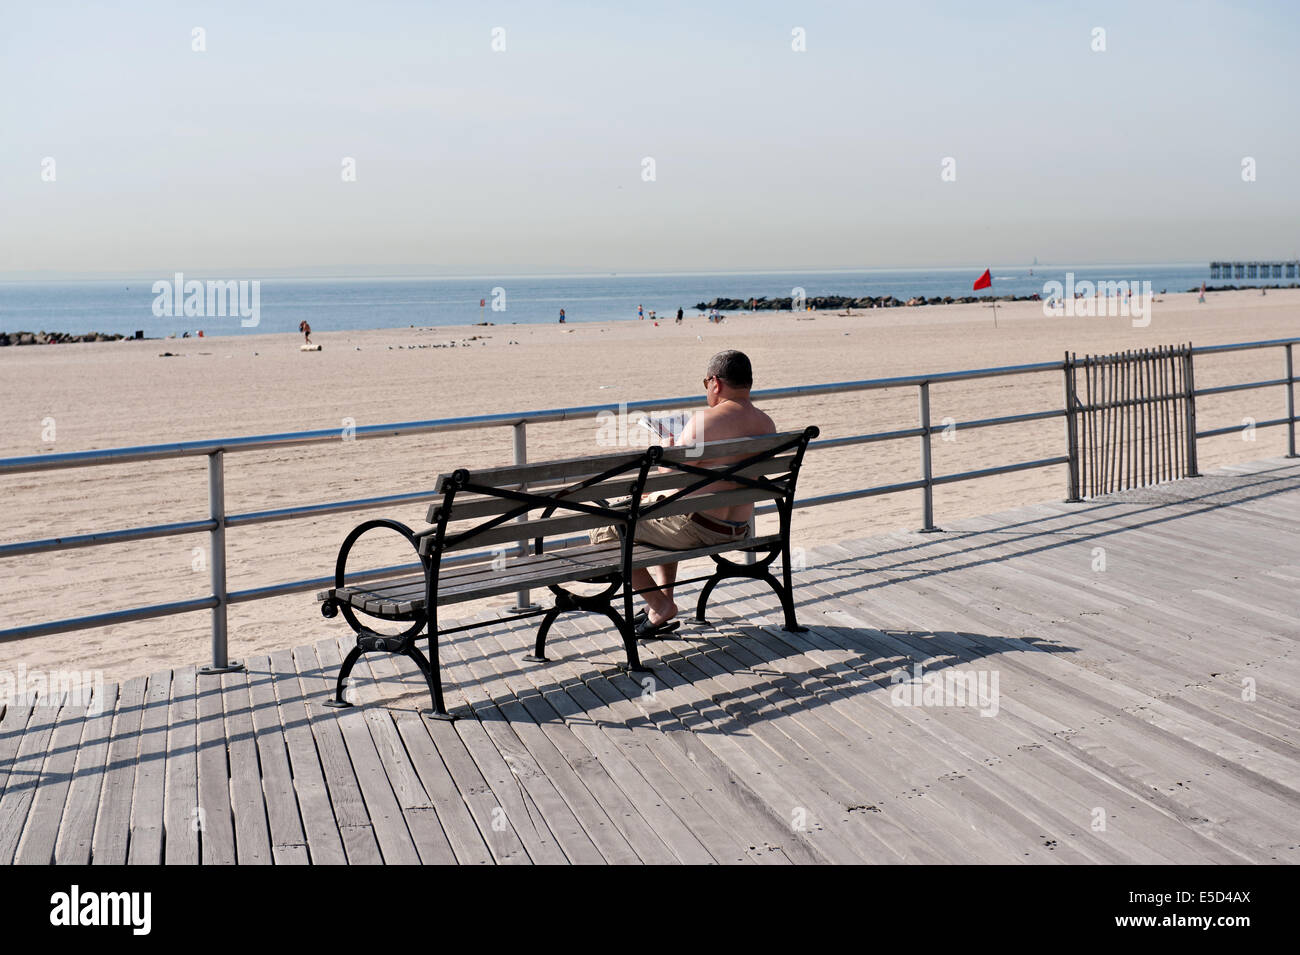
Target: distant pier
(1261, 271)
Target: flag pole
(986, 281)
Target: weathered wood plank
(113, 822)
(147, 822)
(349, 809)
(41, 831)
(381, 807)
(282, 811)
(247, 800)
(1065, 693)
(24, 773)
(181, 794)
(482, 736)
(430, 793)
(14, 721)
(324, 844)
(540, 694)
(215, 817)
(692, 697)
(77, 827)
(882, 777)
(534, 756)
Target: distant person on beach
(730, 414)
(561, 316)
(640, 316)
(679, 315)
(306, 330)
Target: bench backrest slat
(488, 497)
(578, 468)
(514, 531)
(468, 507)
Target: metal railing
(218, 521)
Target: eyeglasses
(709, 379)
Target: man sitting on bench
(730, 414)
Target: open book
(665, 427)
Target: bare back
(730, 418)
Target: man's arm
(688, 433)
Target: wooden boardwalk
(1146, 707)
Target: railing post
(1290, 404)
(927, 507)
(217, 562)
(1189, 382)
(523, 601)
(1071, 432)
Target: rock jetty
(55, 338)
(828, 302)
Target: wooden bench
(535, 505)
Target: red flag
(984, 281)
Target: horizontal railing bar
(1237, 428)
(1131, 402)
(331, 507)
(207, 603)
(1001, 469)
(108, 619)
(1004, 419)
(1223, 389)
(1243, 346)
(105, 537)
(848, 495)
(866, 438)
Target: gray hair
(732, 367)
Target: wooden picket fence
(1131, 419)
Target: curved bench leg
(784, 591)
(786, 595)
(628, 633)
(787, 591)
(539, 650)
(704, 598)
(431, 676)
(348, 662)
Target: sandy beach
(102, 395)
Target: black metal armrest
(329, 607)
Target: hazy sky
(472, 160)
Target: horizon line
(340, 273)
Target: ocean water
(332, 304)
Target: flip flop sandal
(647, 630)
(640, 617)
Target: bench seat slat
(448, 574)
(599, 558)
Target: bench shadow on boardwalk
(1145, 712)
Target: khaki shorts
(675, 532)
